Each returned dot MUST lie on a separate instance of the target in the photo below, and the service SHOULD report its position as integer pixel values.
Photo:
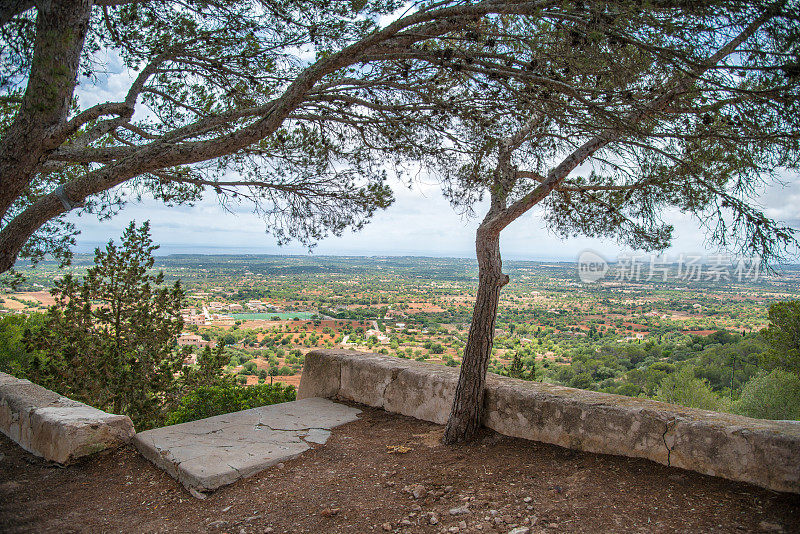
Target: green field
(268, 316)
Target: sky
(419, 223)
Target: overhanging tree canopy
(296, 104)
(292, 104)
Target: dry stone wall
(765, 453)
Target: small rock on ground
(417, 491)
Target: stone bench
(760, 452)
(57, 428)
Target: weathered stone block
(576, 419)
(762, 452)
(765, 453)
(422, 392)
(321, 375)
(55, 427)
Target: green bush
(109, 341)
(687, 390)
(630, 390)
(771, 396)
(207, 401)
(783, 337)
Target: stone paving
(207, 454)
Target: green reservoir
(287, 316)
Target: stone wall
(55, 427)
(765, 453)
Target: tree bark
(467, 411)
(38, 127)
(12, 8)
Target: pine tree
(109, 340)
(517, 370)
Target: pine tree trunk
(61, 27)
(465, 416)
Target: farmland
(617, 335)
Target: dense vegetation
(207, 401)
(722, 371)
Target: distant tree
(582, 380)
(685, 389)
(517, 368)
(649, 109)
(783, 337)
(109, 340)
(630, 390)
(209, 369)
(771, 396)
(722, 336)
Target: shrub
(630, 390)
(783, 337)
(687, 390)
(771, 396)
(207, 401)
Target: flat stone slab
(207, 454)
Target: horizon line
(409, 254)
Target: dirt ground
(353, 484)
